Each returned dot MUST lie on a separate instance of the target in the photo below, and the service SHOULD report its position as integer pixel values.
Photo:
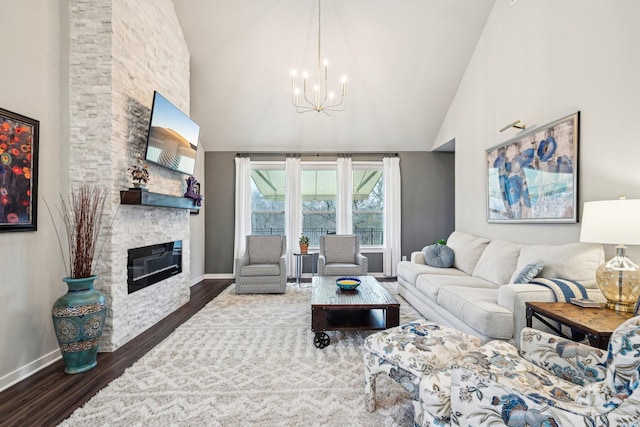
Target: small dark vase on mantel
(78, 318)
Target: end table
(597, 323)
(299, 258)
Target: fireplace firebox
(150, 264)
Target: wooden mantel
(147, 198)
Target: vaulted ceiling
(404, 60)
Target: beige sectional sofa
(477, 294)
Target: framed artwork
(18, 172)
(534, 177)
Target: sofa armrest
(481, 397)
(363, 261)
(564, 358)
(283, 264)
(418, 257)
(322, 260)
(241, 262)
(514, 297)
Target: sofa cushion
(572, 261)
(430, 284)
(342, 249)
(260, 270)
(467, 250)
(529, 272)
(439, 256)
(409, 271)
(498, 261)
(479, 309)
(264, 249)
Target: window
(318, 204)
(267, 199)
(368, 204)
(318, 201)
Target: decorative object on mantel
(193, 191)
(140, 175)
(615, 222)
(304, 244)
(534, 176)
(79, 315)
(321, 100)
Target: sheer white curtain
(392, 212)
(344, 198)
(243, 206)
(292, 209)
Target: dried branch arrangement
(83, 219)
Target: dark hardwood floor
(49, 396)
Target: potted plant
(304, 244)
(79, 315)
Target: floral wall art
(18, 172)
(533, 177)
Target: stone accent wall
(120, 52)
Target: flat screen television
(172, 140)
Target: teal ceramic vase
(78, 318)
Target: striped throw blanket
(564, 290)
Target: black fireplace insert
(150, 264)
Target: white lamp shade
(614, 222)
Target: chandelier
(318, 98)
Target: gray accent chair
(340, 256)
(262, 269)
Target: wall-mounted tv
(172, 140)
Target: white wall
(33, 83)
(197, 225)
(537, 61)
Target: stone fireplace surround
(120, 51)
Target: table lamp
(615, 222)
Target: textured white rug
(250, 360)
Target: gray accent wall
(427, 206)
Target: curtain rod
(315, 154)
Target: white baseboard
(29, 369)
(219, 276)
(196, 280)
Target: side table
(299, 259)
(596, 323)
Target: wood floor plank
(49, 396)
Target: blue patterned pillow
(529, 272)
(437, 255)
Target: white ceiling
(404, 60)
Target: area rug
(250, 360)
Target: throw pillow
(437, 255)
(529, 272)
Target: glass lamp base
(619, 281)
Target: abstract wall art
(534, 177)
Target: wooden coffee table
(368, 307)
(596, 323)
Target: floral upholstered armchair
(556, 382)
